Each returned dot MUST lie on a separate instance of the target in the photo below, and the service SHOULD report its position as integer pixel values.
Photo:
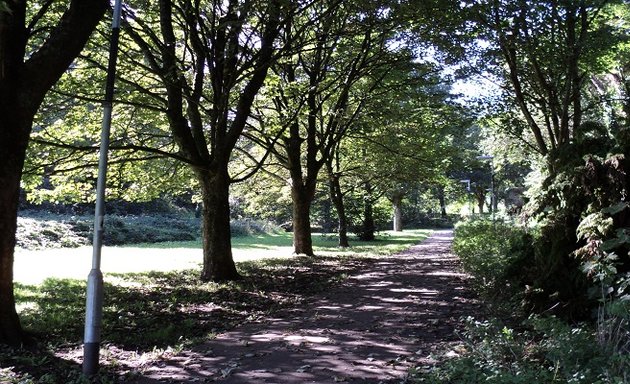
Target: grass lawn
(34, 266)
(155, 303)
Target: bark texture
(442, 201)
(368, 228)
(302, 239)
(336, 196)
(218, 264)
(397, 202)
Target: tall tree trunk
(328, 226)
(480, 196)
(337, 198)
(218, 264)
(13, 139)
(396, 202)
(24, 82)
(302, 239)
(368, 228)
(442, 201)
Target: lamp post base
(90, 358)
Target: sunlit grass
(55, 307)
(321, 241)
(33, 267)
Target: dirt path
(370, 329)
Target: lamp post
(492, 198)
(94, 294)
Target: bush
(252, 227)
(488, 251)
(150, 229)
(523, 270)
(46, 232)
(38, 230)
(545, 350)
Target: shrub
(40, 230)
(489, 251)
(43, 232)
(522, 270)
(544, 350)
(248, 227)
(150, 229)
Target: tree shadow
(160, 311)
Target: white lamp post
(94, 295)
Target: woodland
(509, 120)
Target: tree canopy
(333, 107)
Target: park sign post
(94, 297)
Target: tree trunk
(480, 196)
(23, 85)
(337, 198)
(368, 228)
(13, 139)
(302, 240)
(328, 226)
(218, 264)
(442, 201)
(396, 202)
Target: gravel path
(370, 329)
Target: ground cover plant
(38, 229)
(151, 315)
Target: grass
(152, 313)
(321, 241)
(75, 263)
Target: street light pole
(94, 295)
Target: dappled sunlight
(322, 319)
(373, 328)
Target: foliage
(545, 349)
(38, 230)
(541, 52)
(522, 270)
(489, 251)
(541, 350)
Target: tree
(190, 71)
(340, 50)
(404, 136)
(227, 50)
(334, 173)
(34, 53)
(549, 49)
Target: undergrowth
(38, 230)
(521, 343)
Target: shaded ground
(385, 317)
